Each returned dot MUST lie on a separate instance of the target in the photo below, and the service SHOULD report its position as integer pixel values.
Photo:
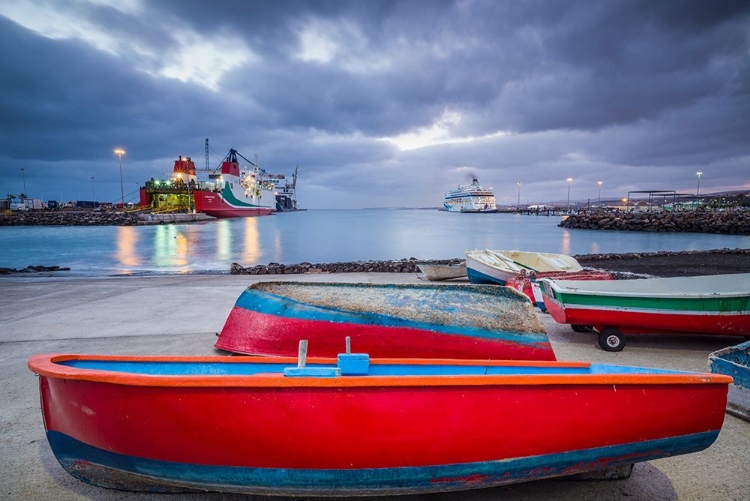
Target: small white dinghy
(498, 266)
(436, 272)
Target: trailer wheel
(611, 339)
(580, 328)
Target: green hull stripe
(232, 200)
(673, 304)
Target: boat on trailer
(356, 426)
(734, 361)
(393, 320)
(485, 266)
(529, 284)
(713, 305)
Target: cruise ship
(470, 198)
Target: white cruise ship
(470, 198)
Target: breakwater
(733, 222)
(398, 266)
(70, 218)
(93, 218)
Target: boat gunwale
(47, 365)
(563, 288)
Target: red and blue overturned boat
(392, 320)
(355, 426)
(713, 305)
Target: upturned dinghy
(435, 272)
(395, 320)
(734, 361)
(361, 427)
(714, 304)
(498, 266)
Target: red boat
(361, 427)
(394, 320)
(528, 283)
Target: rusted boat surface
(393, 320)
(734, 361)
(356, 426)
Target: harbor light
(519, 194)
(120, 152)
(570, 180)
(698, 192)
(600, 190)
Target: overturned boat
(356, 426)
(394, 320)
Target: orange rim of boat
(48, 366)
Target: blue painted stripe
(272, 304)
(81, 460)
(172, 368)
(477, 277)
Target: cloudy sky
(381, 103)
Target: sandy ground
(180, 315)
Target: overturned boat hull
(424, 320)
(398, 427)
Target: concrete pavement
(179, 315)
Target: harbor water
(318, 236)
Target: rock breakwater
(70, 218)
(734, 222)
(400, 266)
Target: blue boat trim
(90, 464)
(271, 304)
(175, 368)
(477, 277)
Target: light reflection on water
(319, 236)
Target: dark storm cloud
(627, 90)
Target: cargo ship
(231, 192)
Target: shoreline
(661, 264)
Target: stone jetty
(733, 222)
(399, 266)
(96, 218)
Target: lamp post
(93, 190)
(698, 192)
(120, 152)
(519, 195)
(570, 180)
(600, 190)
(24, 183)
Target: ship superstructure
(470, 198)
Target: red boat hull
(414, 434)
(214, 205)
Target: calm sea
(318, 236)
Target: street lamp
(600, 190)
(697, 193)
(519, 195)
(24, 183)
(93, 190)
(570, 180)
(120, 152)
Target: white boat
(436, 272)
(470, 198)
(498, 266)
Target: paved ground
(181, 314)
